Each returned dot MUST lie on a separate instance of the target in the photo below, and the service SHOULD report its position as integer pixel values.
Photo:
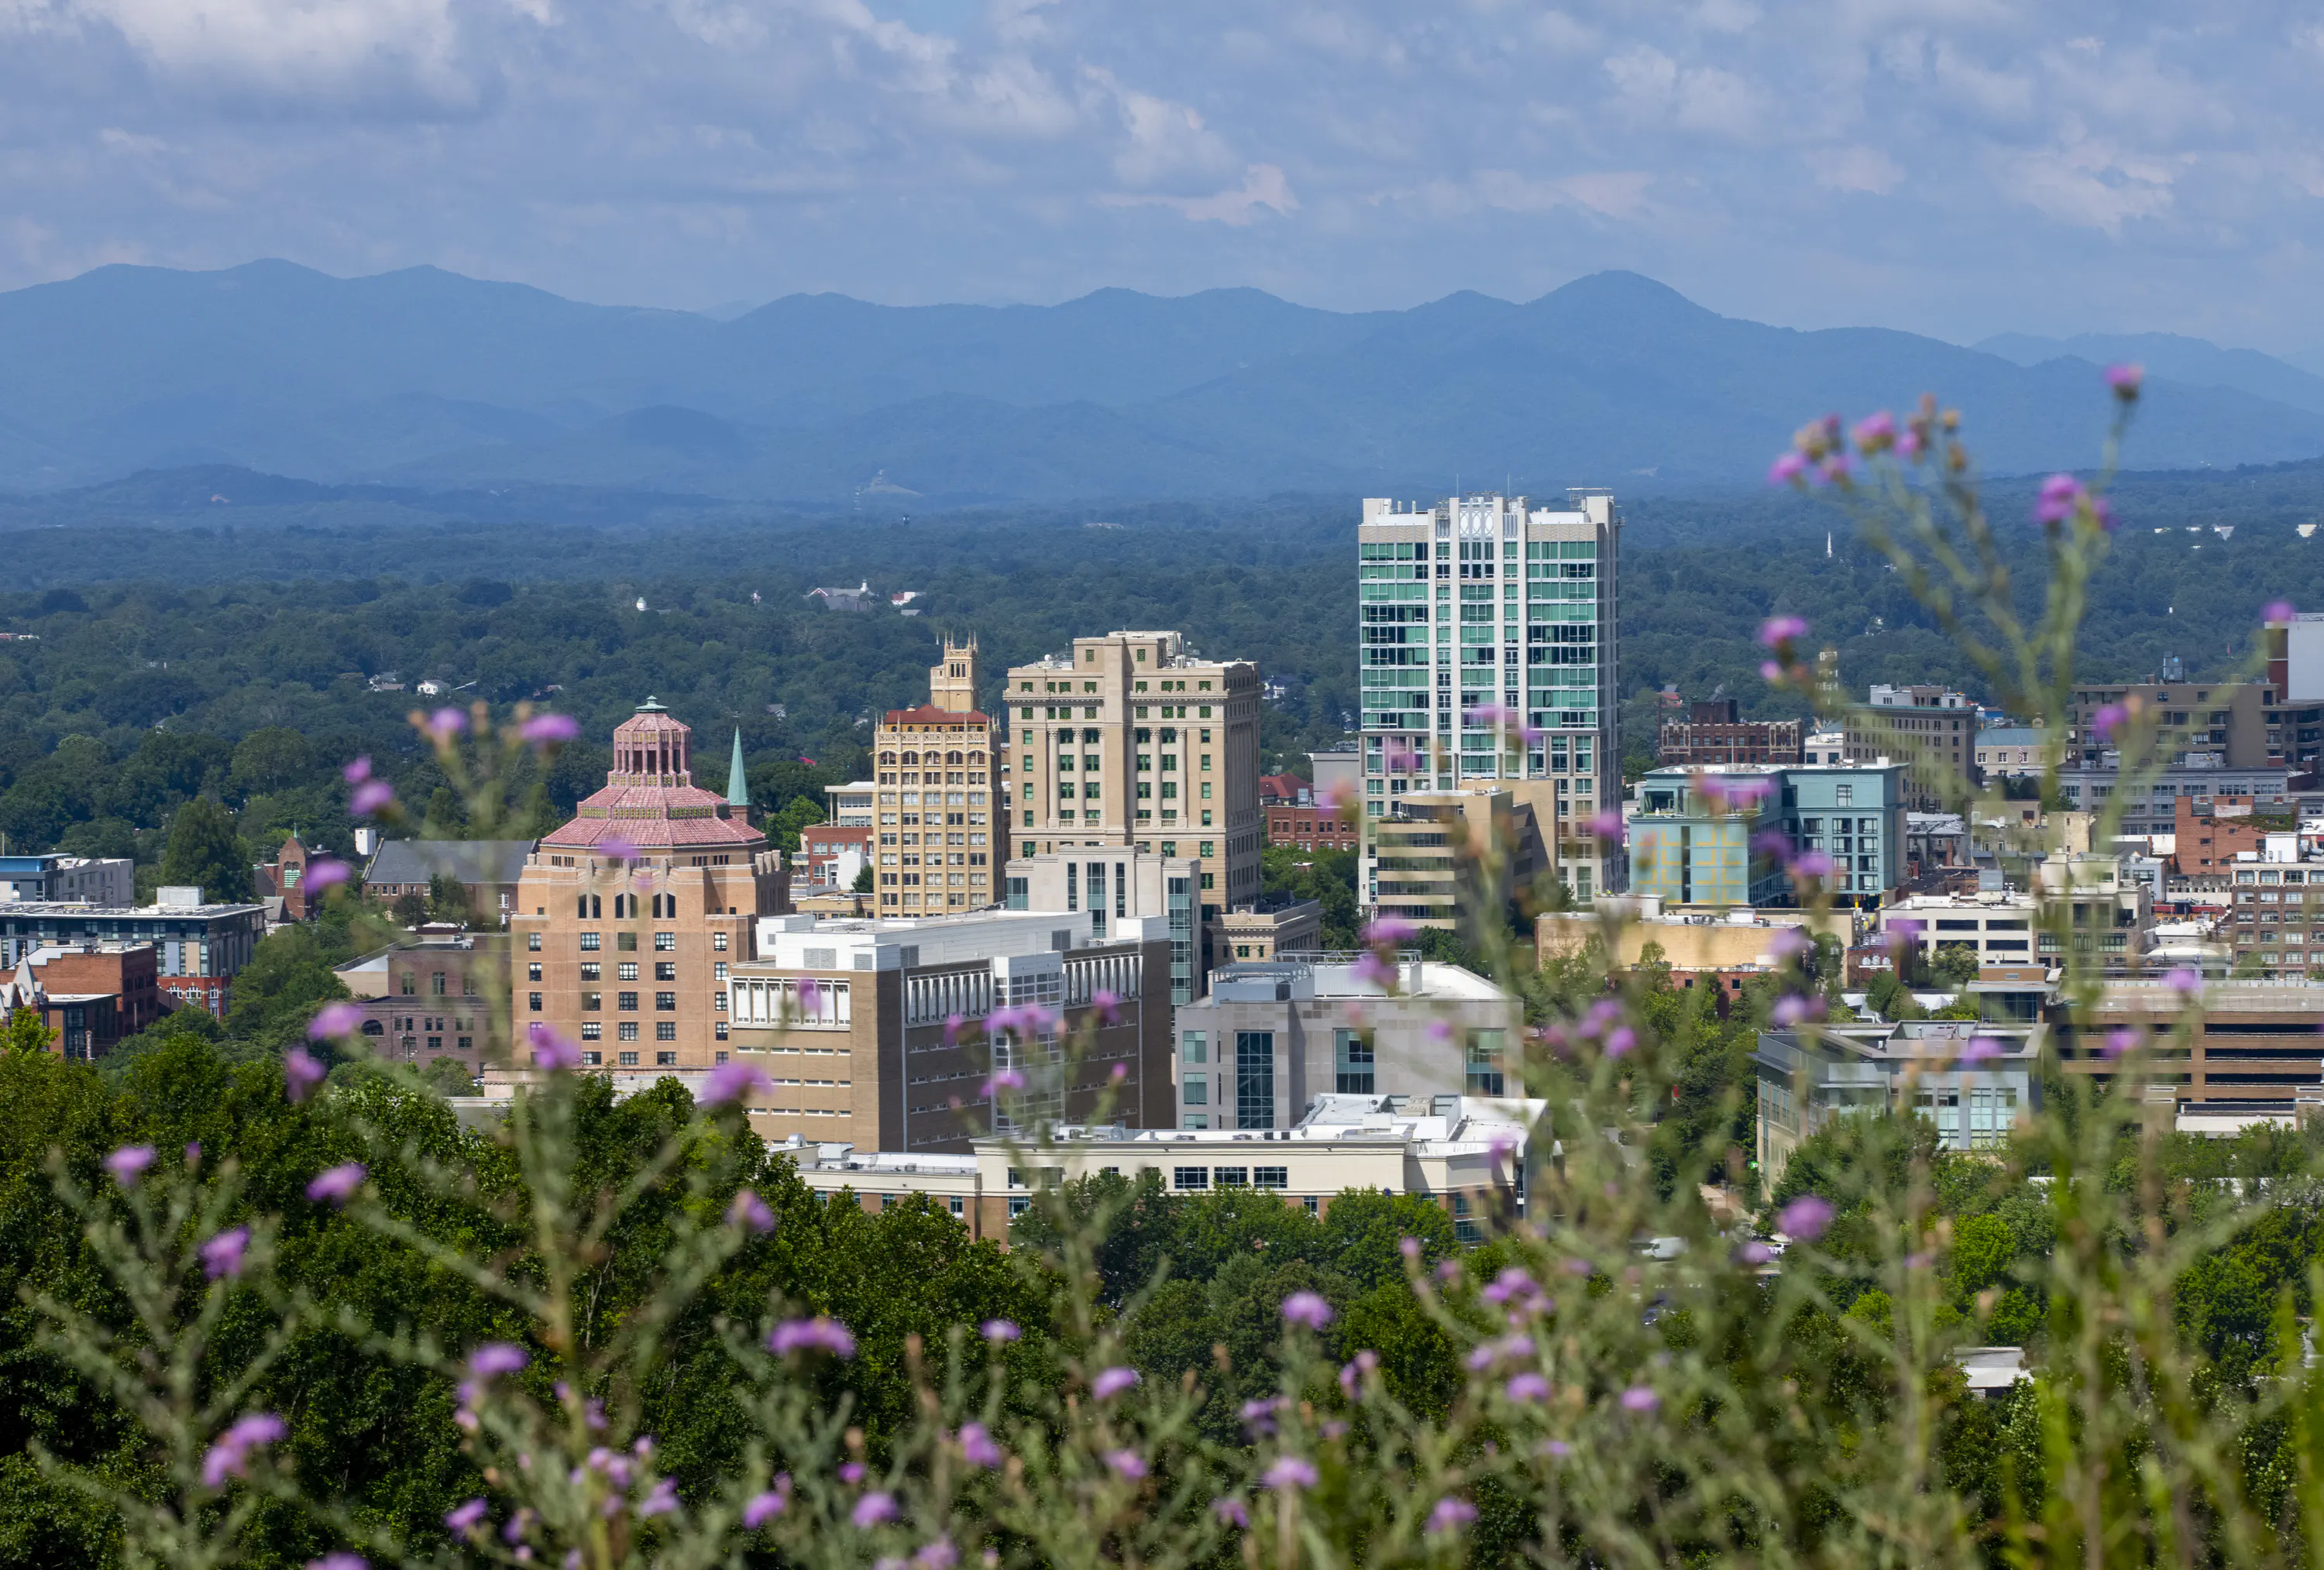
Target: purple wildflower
(445, 724)
(1003, 1079)
(1450, 1516)
(1620, 1040)
(2110, 719)
(1288, 1473)
(1307, 1309)
(1112, 1381)
(1786, 469)
(1754, 1252)
(614, 847)
(2119, 1041)
(2276, 610)
(549, 730)
(128, 1164)
(939, 1554)
(1126, 1464)
(338, 1184)
(357, 771)
(1230, 1511)
(1811, 864)
(1527, 1387)
(732, 1079)
(1778, 630)
(1876, 432)
(339, 1559)
(1000, 1330)
(1512, 1282)
(1108, 1006)
(467, 1517)
(820, 1334)
(2061, 495)
(1805, 1217)
(871, 1509)
(976, 1444)
(749, 1211)
(327, 872)
(1388, 931)
(851, 1474)
(370, 798)
(764, 1507)
(222, 1254)
(230, 1456)
(1790, 1009)
(551, 1050)
(1771, 670)
(1980, 1049)
(334, 1019)
(495, 1358)
(2184, 980)
(661, 1500)
(1639, 1399)
(1351, 1374)
(2125, 380)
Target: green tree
(205, 852)
(24, 1033)
(273, 759)
(863, 878)
(784, 827)
(1956, 963)
(447, 899)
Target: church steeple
(738, 787)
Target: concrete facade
(1974, 1095)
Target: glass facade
(1254, 1078)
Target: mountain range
(425, 379)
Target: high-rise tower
(952, 681)
(1486, 603)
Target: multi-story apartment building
(941, 771)
(2211, 833)
(198, 948)
(1923, 1065)
(89, 995)
(64, 879)
(629, 916)
(2221, 738)
(1930, 730)
(1484, 618)
(2011, 752)
(1692, 832)
(870, 1030)
(1273, 1037)
(1423, 861)
(1311, 827)
(1715, 735)
(1132, 738)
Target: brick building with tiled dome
(629, 915)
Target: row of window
(1189, 1179)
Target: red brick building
(830, 855)
(1714, 733)
(2211, 831)
(1287, 790)
(89, 995)
(430, 997)
(1310, 827)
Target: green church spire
(738, 788)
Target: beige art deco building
(628, 917)
(942, 834)
(1130, 739)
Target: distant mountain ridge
(425, 379)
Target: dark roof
(469, 860)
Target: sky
(1952, 167)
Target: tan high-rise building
(628, 918)
(942, 833)
(1131, 740)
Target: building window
(665, 1003)
(718, 1057)
(534, 999)
(589, 943)
(665, 1060)
(1353, 1064)
(1017, 1207)
(1187, 1180)
(1232, 1177)
(626, 1002)
(719, 1031)
(592, 1000)
(592, 1059)
(627, 1031)
(629, 1060)
(532, 942)
(718, 942)
(1485, 1062)
(1198, 1091)
(1314, 1206)
(1464, 1227)
(1196, 1049)
(591, 1031)
(665, 971)
(665, 943)
(1270, 1176)
(665, 1030)
(628, 971)
(1255, 1078)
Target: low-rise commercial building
(489, 871)
(1270, 1040)
(870, 1031)
(1715, 735)
(1468, 1154)
(1268, 929)
(2253, 1045)
(1310, 826)
(431, 996)
(1970, 1079)
(199, 948)
(831, 856)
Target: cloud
(2053, 168)
(1263, 186)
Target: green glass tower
(738, 788)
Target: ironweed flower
(230, 1456)
(1639, 1399)
(1787, 470)
(551, 1050)
(1230, 1512)
(765, 1505)
(338, 1184)
(1805, 1217)
(222, 1254)
(871, 1509)
(495, 1358)
(2276, 610)
(549, 730)
(327, 872)
(370, 798)
(1778, 630)
(1527, 1387)
(2110, 719)
(1112, 1381)
(300, 1074)
(820, 1334)
(465, 1518)
(1290, 1473)
(128, 1164)
(731, 1080)
(1127, 1464)
(1450, 1516)
(997, 1330)
(2125, 381)
(977, 1447)
(445, 724)
(749, 1211)
(334, 1019)
(1980, 1049)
